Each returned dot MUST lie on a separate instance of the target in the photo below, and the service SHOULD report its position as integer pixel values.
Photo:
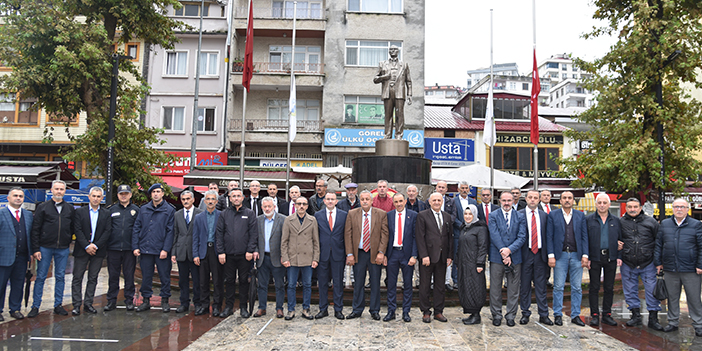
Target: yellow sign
(306, 163)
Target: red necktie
(534, 234)
(548, 209)
(293, 208)
(366, 234)
(399, 229)
(17, 215)
(486, 214)
(331, 223)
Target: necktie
(331, 221)
(366, 234)
(507, 219)
(548, 209)
(438, 218)
(293, 206)
(254, 206)
(534, 237)
(399, 229)
(187, 217)
(487, 212)
(17, 215)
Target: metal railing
(280, 13)
(262, 125)
(280, 67)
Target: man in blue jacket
(568, 250)
(205, 256)
(331, 222)
(679, 254)
(119, 249)
(152, 241)
(402, 256)
(15, 250)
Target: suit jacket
(8, 236)
(402, 83)
(432, 243)
(331, 242)
(458, 222)
(512, 238)
(200, 234)
(543, 219)
(273, 241)
(543, 208)
(354, 229)
(593, 233)
(449, 207)
(280, 202)
(247, 204)
(556, 233)
(83, 230)
(299, 243)
(409, 244)
(183, 235)
(481, 211)
(312, 206)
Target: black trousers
(610, 269)
(237, 265)
(93, 265)
(438, 271)
(535, 269)
(210, 266)
(125, 262)
(188, 269)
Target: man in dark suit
(270, 229)
(182, 252)
(447, 205)
(507, 236)
(461, 202)
(316, 201)
(534, 260)
(331, 222)
(413, 203)
(15, 250)
(120, 257)
(351, 200)
(253, 201)
(93, 225)
(288, 207)
(402, 255)
(545, 201)
(278, 202)
(212, 186)
(568, 249)
(223, 200)
(366, 239)
(205, 256)
(518, 204)
(603, 231)
(486, 207)
(435, 248)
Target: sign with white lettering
(524, 139)
(449, 151)
(367, 137)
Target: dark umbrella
(253, 288)
(27, 285)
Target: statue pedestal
(391, 147)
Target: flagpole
(492, 146)
(292, 109)
(243, 143)
(246, 82)
(536, 148)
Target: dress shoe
(545, 320)
(129, 305)
(440, 317)
(670, 328)
(524, 320)
(698, 331)
(183, 308)
(290, 315)
(165, 307)
(76, 311)
(259, 313)
(321, 314)
(426, 318)
(33, 312)
(510, 323)
(558, 320)
(306, 314)
(473, 319)
(228, 311)
(279, 314)
(90, 309)
(339, 315)
(497, 322)
(110, 306)
(577, 321)
(145, 306)
(595, 321)
(200, 311)
(388, 317)
(406, 317)
(244, 312)
(16, 315)
(449, 287)
(375, 316)
(215, 311)
(607, 319)
(60, 311)
(353, 315)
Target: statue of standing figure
(394, 75)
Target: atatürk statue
(397, 86)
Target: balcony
(309, 75)
(281, 68)
(274, 125)
(280, 13)
(311, 20)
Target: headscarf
(474, 211)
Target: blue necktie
(187, 217)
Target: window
(14, 109)
(553, 65)
(565, 76)
(525, 86)
(132, 50)
(554, 74)
(177, 63)
(208, 119)
(428, 93)
(502, 108)
(521, 158)
(575, 68)
(209, 63)
(173, 118)
(545, 87)
(512, 86)
(305, 9)
(369, 53)
(449, 133)
(347, 160)
(383, 6)
(307, 110)
(56, 119)
(575, 76)
(564, 67)
(364, 109)
(332, 161)
(192, 10)
(307, 58)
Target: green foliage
(624, 156)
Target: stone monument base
(391, 147)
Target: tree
(624, 156)
(60, 53)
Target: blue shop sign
(450, 151)
(367, 137)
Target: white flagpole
(536, 148)
(292, 104)
(493, 130)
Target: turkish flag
(248, 53)
(535, 90)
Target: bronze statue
(397, 87)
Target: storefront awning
(34, 174)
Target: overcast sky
(458, 35)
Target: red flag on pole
(248, 53)
(535, 90)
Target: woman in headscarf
(471, 254)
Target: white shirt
(464, 203)
(291, 206)
(538, 226)
(187, 214)
(438, 217)
(399, 224)
(13, 211)
(333, 215)
(545, 206)
(567, 216)
(507, 215)
(370, 226)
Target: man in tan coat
(299, 251)
(366, 239)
